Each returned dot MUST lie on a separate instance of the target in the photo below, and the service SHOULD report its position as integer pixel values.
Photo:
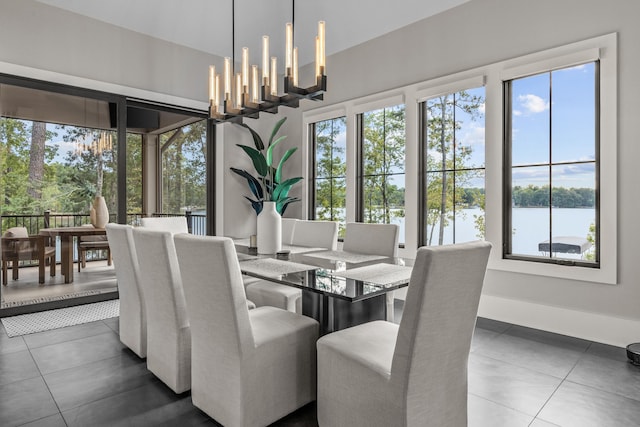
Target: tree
(184, 168)
(331, 169)
(383, 160)
(36, 159)
(448, 168)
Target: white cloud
(481, 108)
(517, 113)
(533, 103)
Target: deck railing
(33, 223)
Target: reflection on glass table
(338, 296)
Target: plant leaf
(270, 150)
(255, 204)
(282, 190)
(282, 205)
(259, 162)
(254, 184)
(276, 128)
(278, 176)
(256, 138)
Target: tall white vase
(269, 229)
(100, 216)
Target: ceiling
(206, 25)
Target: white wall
(68, 48)
(483, 32)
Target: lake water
(530, 227)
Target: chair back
(434, 337)
(316, 234)
(288, 228)
(173, 224)
(133, 322)
(16, 242)
(371, 239)
(168, 333)
(215, 297)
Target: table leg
(66, 244)
(335, 314)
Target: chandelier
(96, 143)
(246, 94)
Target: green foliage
(184, 168)
(535, 197)
(331, 169)
(269, 185)
(383, 161)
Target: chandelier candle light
(244, 95)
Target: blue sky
(560, 106)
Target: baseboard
(596, 327)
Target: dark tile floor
(83, 376)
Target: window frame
(359, 149)
(604, 50)
(423, 97)
(313, 163)
(508, 175)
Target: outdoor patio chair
(18, 245)
(92, 243)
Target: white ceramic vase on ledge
(99, 213)
(269, 229)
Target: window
(184, 169)
(330, 169)
(453, 155)
(382, 178)
(134, 175)
(552, 166)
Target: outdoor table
(66, 235)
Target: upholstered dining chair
(133, 319)
(168, 332)
(174, 224)
(18, 245)
(288, 228)
(373, 239)
(249, 367)
(316, 234)
(414, 374)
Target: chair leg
(14, 269)
(52, 266)
(4, 273)
(109, 257)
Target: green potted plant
(268, 185)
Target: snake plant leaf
(255, 204)
(256, 138)
(282, 190)
(270, 150)
(278, 176)
(254, 184)
(276, 128)
(257, 158)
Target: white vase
(269, 229)
(101, 213)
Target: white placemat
(273, 267)
(380, 274)
(348, 257)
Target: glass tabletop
(332, 276)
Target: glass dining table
(339, 289)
